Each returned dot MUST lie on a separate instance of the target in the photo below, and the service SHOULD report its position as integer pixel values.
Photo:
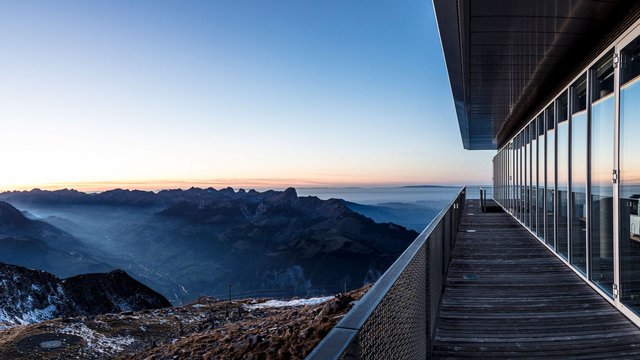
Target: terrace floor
(508, 296)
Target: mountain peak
(289, 194)
(228, 190)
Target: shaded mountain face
(185, 243)
(28, 296)
(40, 245)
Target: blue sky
(151, 94)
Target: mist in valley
(272, 244)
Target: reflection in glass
(601, 222)
(541, 175)
(520, 177)
(579, 176)
(512, 177)
(534, 178)
(551, 179)
(579, 190)
(629, 241)
(505, 177)
(562, 206)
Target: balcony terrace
(506, 295)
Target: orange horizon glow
(247, 184)
(225, 103)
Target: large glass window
(534, 176)
(512, 174)
(629, 242)
(502, 177)
(520, 172)
(562, 200)
(511, 169)
(602, 137)
(578, 198)
(519, 175)
(541, 175)
(550, 178)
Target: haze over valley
(188, 243)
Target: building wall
(571, 175)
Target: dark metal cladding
(506, 57)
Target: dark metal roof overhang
(505, 57)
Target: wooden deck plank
(508, 296)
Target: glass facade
(578, 155)
(629, 190)
(601, 199)
(531, 167)
(541, 175)
(550, 179)
(562, 177)
(578, 167)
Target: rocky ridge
(29, 296)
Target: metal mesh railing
(397, 317)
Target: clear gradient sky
(158, 94)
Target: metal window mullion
(616, 185)
(570, 100)
(554, 201)
(529, 150)
(535, 128)
(546, 188)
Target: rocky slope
(29, 296)
(205, 329)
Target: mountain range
(187, 243)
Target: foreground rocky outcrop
(29, 296)
(205, 329)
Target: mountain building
(551, 268)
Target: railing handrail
(339, 338)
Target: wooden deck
(508, 296)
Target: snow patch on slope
(296, 302)
(30, 316)
(98, 342)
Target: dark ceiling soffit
(591, 47)
(450, 20)
(448, 29)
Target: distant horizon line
(256, 184)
